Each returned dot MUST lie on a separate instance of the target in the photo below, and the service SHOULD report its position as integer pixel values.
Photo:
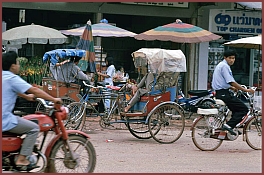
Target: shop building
(135, 17)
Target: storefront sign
(235, 22)
(164, 4)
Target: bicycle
(206, 130)
(89, 101)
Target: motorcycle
(68, 150)
(198, 98)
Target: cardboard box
(60, 89)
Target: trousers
(238, 108)
(29, 128)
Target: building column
(98, 17)
(203, 65)
(192, 64)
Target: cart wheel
(138, 128)
(166, 123)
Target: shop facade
(232, 25)
(135, 17)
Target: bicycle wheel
(253, 132)
(61, 162)
(166, 123)
(76, 116)
(138, 128)
(201, 136)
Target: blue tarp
(54, 55)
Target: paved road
(127, 154)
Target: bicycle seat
(198, 93)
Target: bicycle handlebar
(91, 86)
(42, 101)
(249, 95)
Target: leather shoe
(226, 127)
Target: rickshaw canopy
(55, 55)
(160, 60)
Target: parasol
(86, 43)
(33, 34)
(102, 30)
(178, 32)
(254, 42)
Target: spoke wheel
(76, 116)
(138, 128)
(60, 160)
(253, 132)
(166, 123)
(201, 136)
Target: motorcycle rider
(12, 86)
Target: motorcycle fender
(57, 137)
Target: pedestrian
(108, 77)
(222, 82)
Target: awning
(251, 5)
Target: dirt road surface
(127, 154)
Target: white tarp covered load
(160, 60)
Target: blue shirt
(11, 85)
(110, 72)
(222, 76)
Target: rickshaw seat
(172, 91)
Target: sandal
(26, 167)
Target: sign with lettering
(235, 22)
(164, 4)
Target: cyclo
(65, 90)
(156, 114)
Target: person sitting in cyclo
(164, 80)
(71, 73)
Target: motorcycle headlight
(64, 112)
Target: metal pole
(258, 69)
